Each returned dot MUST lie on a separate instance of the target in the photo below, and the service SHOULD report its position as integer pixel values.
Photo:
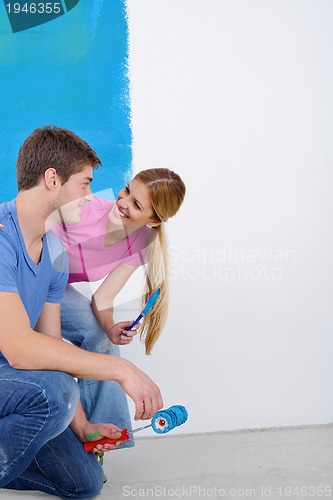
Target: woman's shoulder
(95, 209)
(98, 203)
(93, 214)
(140, 238)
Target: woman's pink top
(89, 259)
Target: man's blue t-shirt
(35, 283)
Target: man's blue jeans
(38, 451)
(102, 401)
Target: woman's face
(133, 206)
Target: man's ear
(51, 178)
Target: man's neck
(31, 212)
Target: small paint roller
(151, 302)
(162, 422)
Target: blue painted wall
(71, 72)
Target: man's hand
(87, 431)
(144, 392)
(20, 351)
(94, 432)
(119, 335)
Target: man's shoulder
(7, 231)
(5, 211)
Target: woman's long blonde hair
(167, 191)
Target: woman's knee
(80, 326)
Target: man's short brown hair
(55, 147)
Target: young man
(42, 424)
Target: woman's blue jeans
(38, 451)
(102, 401)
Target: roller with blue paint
(162, 422)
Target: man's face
(73, 195)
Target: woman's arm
(102, 299)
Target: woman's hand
(119, 335)
(94, 432)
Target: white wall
(236, 96)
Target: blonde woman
(113, 239)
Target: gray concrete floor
(295, 464)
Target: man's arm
(27, 349)
(49, 320)
(49, 324)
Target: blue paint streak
(71, 72)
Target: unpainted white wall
(236, 96)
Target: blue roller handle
(151, 301)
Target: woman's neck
(115, 234)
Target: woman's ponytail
(167, 192)
(156, 277)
